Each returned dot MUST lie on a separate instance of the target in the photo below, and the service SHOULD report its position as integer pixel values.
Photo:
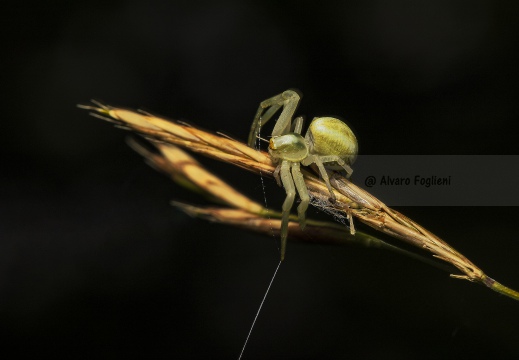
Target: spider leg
(288, 184)
(291, 100)
(341, 162)
(324, 174)
(276, 175)
(303, 194)
(260, 120)
(288, 100)
(298, 125)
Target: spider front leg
(288, 184)
(303, 194)
(288, 100)
(291, 182)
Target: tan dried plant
(240, 211)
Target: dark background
(95, 262)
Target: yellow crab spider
(328, 141)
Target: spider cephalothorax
(328, 142)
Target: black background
(95, 262)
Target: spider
(327, 141)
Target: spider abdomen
(331, 136)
